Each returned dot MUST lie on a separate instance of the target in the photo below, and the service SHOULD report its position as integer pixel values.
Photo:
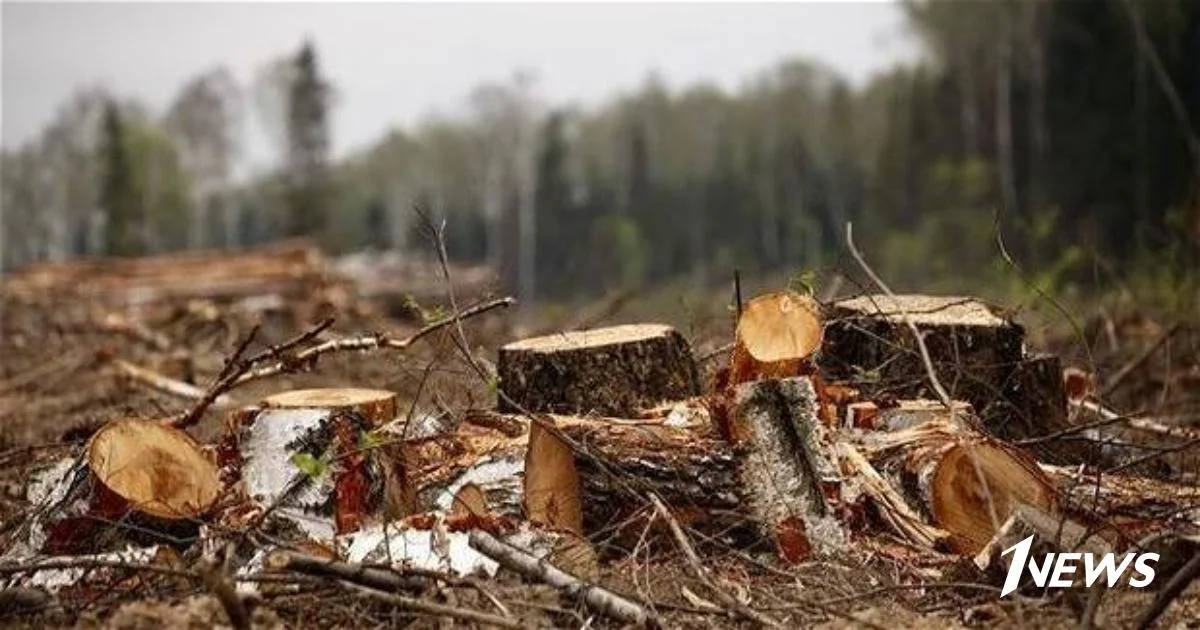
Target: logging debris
(816, 443)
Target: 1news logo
(1057, 570)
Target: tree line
(1068, 126)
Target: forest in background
(1068, 125)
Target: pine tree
(308, 181)
(118, 194)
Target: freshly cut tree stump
(375, 405)
(966, 482)
(616, 371)
(973, 349)
(788, 473)
(139, 480)
(315, 455)
(776, 334)
(156, 469)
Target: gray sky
(394, 64)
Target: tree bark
(615, 371)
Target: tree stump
(974, 350)
(314, 455)
(776, 334)
(138, 480)
(614, 371)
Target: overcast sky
(394, 64)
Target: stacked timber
(290, 270)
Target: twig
(595, 597)
(1087, 621)
(94, 563)
(1119, 378)
(1178, 583)
(429, 608)
(223, 383)
(311, 354)
(930, 372)
(163, 383)
(379, 579)
(727, 600)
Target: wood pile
(288, 269)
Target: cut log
(376, 406)
(615, 371)
(138, 480)
(688, 465)
(973, 349)
(776, 334)
(964, 481)
(552, 489)
(792, 483)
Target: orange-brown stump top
(159, 470)
(375, 405)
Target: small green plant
(803, 281)
(312, 467)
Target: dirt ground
(57, 385)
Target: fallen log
(792, 485)
(614, 371)
(964, 481)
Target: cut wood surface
(776, 333)
(965, 481)
(156, 469)
(615, 371)
(552, 487)
(375, 405)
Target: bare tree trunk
(527, 218)
(969, 110)
(493, 211)
(1039, 140)
(1004, 136)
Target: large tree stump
(974, 351)
(792, 484)
(964, 481)
(614, 371)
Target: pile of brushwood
(863, 462)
